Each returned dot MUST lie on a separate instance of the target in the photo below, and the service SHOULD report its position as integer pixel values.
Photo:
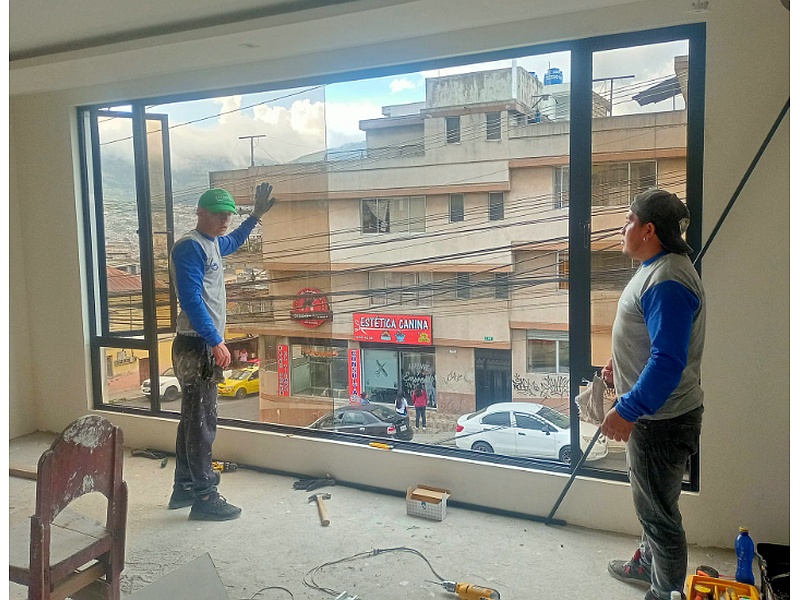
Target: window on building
(547, 352)
(501, 286)
(493, 125)
(616, 184)
(611, 270)
(453, 129)
(456, 208)
(560, 187)
(393, 215)
(400, 289)
(319, 369)
(463, 287)
(496, 206)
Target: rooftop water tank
(553, 75)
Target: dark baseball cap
(217, 200)
(668, 214)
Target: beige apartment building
(437, 255)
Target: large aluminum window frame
(580, 192)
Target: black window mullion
(173, 298)
(97, 184)
(143, 208)
(695, 118)
(580, 220)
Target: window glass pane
(493, 125)
(496, 206)
(456, 207)
(453, 129)
(642, 92)
(119, 224)
(463, 291)
(560, 187)
(124, 370)
(541, 356)
(501, 286)
(502, 419)
(643, 177)
(416, 212)
(344, 172)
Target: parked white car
(524, 429)
(170, 389)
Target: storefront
(397, 353)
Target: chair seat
(72, 536)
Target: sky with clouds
(298, 122)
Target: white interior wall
(744, 457)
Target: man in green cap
(199, 353)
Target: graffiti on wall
(454, 377)
(551, 386)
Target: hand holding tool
(468, 591)
(323, 513)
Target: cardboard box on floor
(427, 501)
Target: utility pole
(611, 95)
(251, 138)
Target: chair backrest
(85, 458)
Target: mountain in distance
(188, 181)
(347, 151)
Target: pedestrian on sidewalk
(419, 397)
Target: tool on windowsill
(381, 445)
(312, 484)
(468, 591)
(323, 513)
(223, 466)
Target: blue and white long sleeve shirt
(198, 275)
(657, 340)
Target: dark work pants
(658, 452)
(193, 361)
(420, 412)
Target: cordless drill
(468, 591)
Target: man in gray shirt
(656, 347)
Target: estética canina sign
(416, 330)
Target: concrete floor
(279, 539)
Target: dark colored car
(370, 419)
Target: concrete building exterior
(438, 253)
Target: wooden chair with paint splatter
(61, 552)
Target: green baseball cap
(217, 200)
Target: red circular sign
(310, 307)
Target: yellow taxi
(240, 383)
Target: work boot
(214, 508)
(181, 498)
(633, 570)
(186, 497)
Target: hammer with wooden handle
(323, 514)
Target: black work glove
(262, 202)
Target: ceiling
(62, 45)
(42, 27)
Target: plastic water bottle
(744, 553)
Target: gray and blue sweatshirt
(657, 340)
(198, 275)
